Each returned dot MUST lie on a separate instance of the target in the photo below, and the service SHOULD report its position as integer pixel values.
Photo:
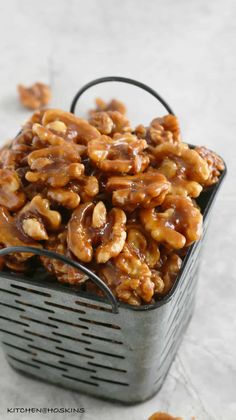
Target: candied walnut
(122, 154)
(113, 237)
(65, 198)
(145, 190)
(214, 162)
(36, 218)
(46, 135)
(10, 235)
(170, 124)
(113, 105)
(130, 279)
(179, 184)
(161, 130)
(55, 165)
(179, 225)
(142, 245)
(188, 161)
(102, 122)
(163, 416)
(83, 232)
(63, 272)
(183, 167)
(110, 122)
(85, 188)
(14, 154)
(78, 130)
(120, 123)
(35, 96)
(130, 275)
(168, 269)
(11, 194)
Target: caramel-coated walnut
(113, 105)
(36, 218)
(55, 165)
(35, 96)
(63, 272)
(84, 233)
(170, 124)
(11, 194)
(102, 122)
(160, 130)
(142, 245)
(189, 162)
(179, 225)
(214, 162)
(78, 130)
(168, 268)
(46, 135)
(10, 235)
(110, 122)
(85, 188)
(127, 288)
(123, 154)
(145, 190)
(130, 279)
(179, 184)
(131, 275)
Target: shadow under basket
(119, 352)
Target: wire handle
(122, 80)
(63, 258)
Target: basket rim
(59, 287)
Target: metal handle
(72, 263)
(123, 80)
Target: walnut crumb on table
(35, 96)
(163, 416)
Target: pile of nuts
(119, 200)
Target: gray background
(186, 50)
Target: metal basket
(108, 349)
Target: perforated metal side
(79, 343)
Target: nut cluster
(117, 199)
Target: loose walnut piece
(11, 194)
(179, 225)
(83, 233)
(214, 162)
(146, 190)
(35, 96)
(36, 218)
(123, 154)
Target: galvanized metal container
(79, 341)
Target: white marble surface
(186, 50)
